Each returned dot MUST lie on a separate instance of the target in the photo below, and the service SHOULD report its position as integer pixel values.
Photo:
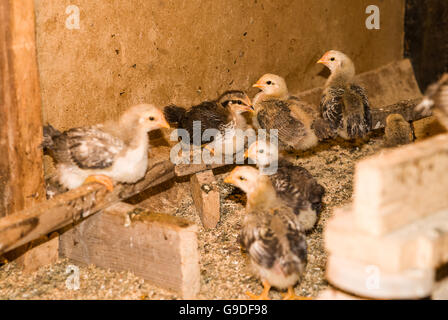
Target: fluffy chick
(293, 184)
(436, 98)
(344, 103)
(397, 132)
(275, 244)
(115, 150)
(224, 113)
(298, 123)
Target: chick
(293, 184)
(436, 98)
(397, 132)
(299, 125)
(275, 244)
(224, 113)
(115, 150)
(344, 103)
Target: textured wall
(131, 51)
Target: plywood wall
(131, 51)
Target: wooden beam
(206, 198)
(159, 248)
(391, 89)
(71, 206)
(370, 281)
(21, 168)
(422, 244)
(399, 186)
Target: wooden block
(157, 247)
(422, 244)
(440, 291)
(41, 255)
(371, 281)
(427, 127)
(399, 186)
(391, 89)
(334, 294)
(206, 197)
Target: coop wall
(183, 52)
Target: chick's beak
(228, 179)
(164, 124)
(258, 85)
(246, 154)
(322, 61)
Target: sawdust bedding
(224, 270)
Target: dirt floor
(224, 270)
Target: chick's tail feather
(356, 126)
(174, 114)
(49, 134)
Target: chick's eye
(269, 82)
(332, 59)
(151, 118)
(261, 151)
(239, 102)
(242, 178)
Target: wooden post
(21, 168)
(160, 248)
(206, 198)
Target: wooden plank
(422, 244)
(205, 195)
(43, 254)
(21, 169)
(391, 89)
(399, 186)
(370, 281)
(30, 224)
(159, 248)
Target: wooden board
(391, 89)
(399, 186)
(30, 224)
(422, 244)
(159, 248)
(21, 170)
(206, 198)
(370, 281)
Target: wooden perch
(157, 247)
(71, 206)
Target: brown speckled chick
(344, 103)
(226, 112)
(397, 131)
(299, 125)
(436, 98)
(104, 153)
(293, 184)
(275, 244)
